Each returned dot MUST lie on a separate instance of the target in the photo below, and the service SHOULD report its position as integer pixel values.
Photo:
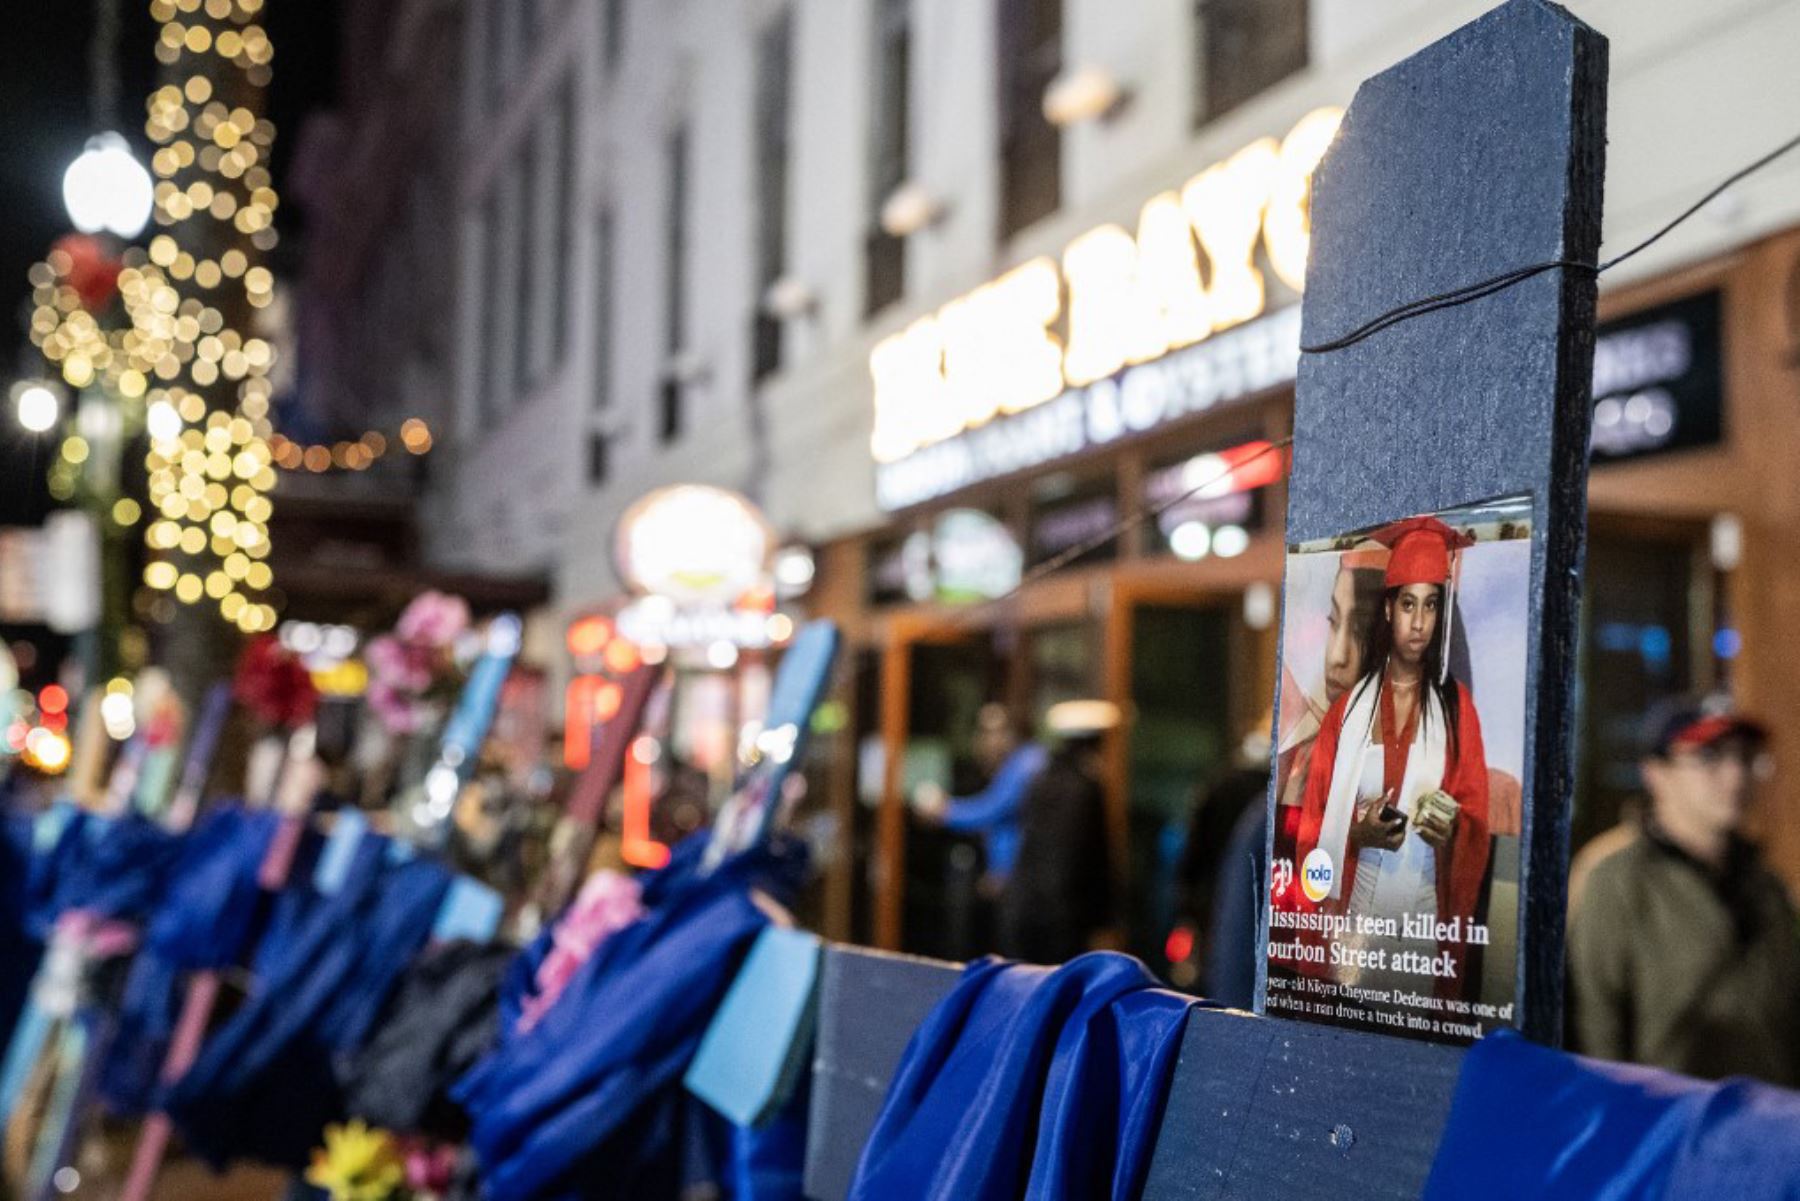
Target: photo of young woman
(1396, 792)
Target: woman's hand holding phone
(1378, 825)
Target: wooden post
(890, 868)
(1479, 155)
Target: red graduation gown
(1461, 864)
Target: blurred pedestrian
(1218, 811)
(1011, 764)
(1059, 901)
(1684, 952)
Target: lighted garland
(210, 468)
(358, 454)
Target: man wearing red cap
(1685, 953)
(1394, 821)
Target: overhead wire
(1518, 275)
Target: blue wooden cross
(1480, 154)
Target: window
(568, 183)
(497, 281)
(508, 33)
(884, 256)
(603, 309)
(774, 55)
(1245, 47)
(675, 279)
(597, 458)
(525, 264)
(1030, 46)
(612, 34)
(668, 411)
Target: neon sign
(1015, 346)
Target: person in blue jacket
(1012, 764)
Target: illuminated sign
(965, 556)
(1659, 380)
(694, 544)
(1206, 505)
(655, 621)
(600, 658)
(1225, 368)
(1013, 354)
(702, 559)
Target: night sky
(44, 90)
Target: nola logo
(1317, 874)
(1283, 876)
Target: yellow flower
(357, 1164)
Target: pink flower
(607, 903)
(397, 713)
(430, 1167)
(434, 619)
(398, 664)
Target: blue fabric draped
(113, 867)
(210, 912)
(520, 981)
(768, 1163)
(1034, 1083)
(588, 1103)
(265, 1084)
(1528, 1121)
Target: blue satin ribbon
(588, 1103)
(1025, 1082)
(1528, 1121)
(264, 1085)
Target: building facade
(685, 239)
(372, 314)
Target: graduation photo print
(1394, 886)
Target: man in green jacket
(1684, 949)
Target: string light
(210, 468)
(353, 455)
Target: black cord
(1518, 275)
(1129, 522)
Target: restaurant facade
(993, 307)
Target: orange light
(607, 699)
(621, 657)
(636, 847)
(589, 636)
(54, 699)
(578, 723)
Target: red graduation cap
(1423, 550)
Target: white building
(618, 160)
(634, 178)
